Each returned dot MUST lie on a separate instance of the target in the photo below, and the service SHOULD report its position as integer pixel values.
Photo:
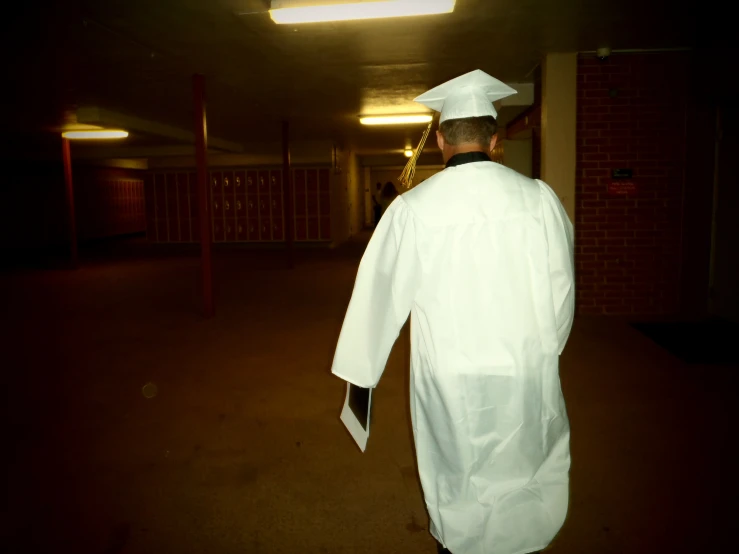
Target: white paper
(359, 433)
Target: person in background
(389, 194)
(481, 257)
(376, 206)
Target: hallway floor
(241, 449)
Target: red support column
(287, 184)
(71, 222)
(201, 147)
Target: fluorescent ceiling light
(394, 119)
(314, 11)
(97, 134)
(408, 153)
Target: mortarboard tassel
(406, 178)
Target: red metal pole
(71, 222)
(201, 147)
(287, 184)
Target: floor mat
(713, 341)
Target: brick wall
(631, 114)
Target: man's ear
(493, 141)
(440, 140)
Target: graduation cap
(469, 95)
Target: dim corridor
(241, 449)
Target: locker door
(160, 207)
(219, 230)
(325, 228)
(299, 192)
(217, 206)
(265, 221)
(192, 182)
(299, 188)
(240, 194)
(324, 211)
(173, 216)
(183, 207)
(263, 185)
(301, 229)
(276, 196)
(324, 181)
(242, 229)
(312, 203)
(149, 201)
(278, 229)
(229, 195)
(253, 229)
(313, 228)
(230, 229)
(252, 204)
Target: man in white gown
(482, 259)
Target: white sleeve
(559, 232)
(384, 291)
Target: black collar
(467, 158)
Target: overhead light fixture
(394, 119)
(96, 134)
(316, 11)
(408, 152)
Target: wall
(340, 213)
(631, 114)
(355, 195)
(517, 155)
(558, 126)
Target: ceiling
(137, 57)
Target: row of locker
(110, 207)
(246, 205)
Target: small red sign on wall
(622, 188)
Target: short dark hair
(389, 190)
(478, 130)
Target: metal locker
(301, 228)
(312, 204)
(313, 228)
(325, 228)
(324, 203)
(311, 179)
(263, 185)
(299, 192)
(160, 196)
(230, 229)
(278, 229)
(324, 180)
(240, 193)
(242, 229)
(253, 229)
(219, 234)
(216, 184)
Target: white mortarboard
(469, 95)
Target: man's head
(468, 134)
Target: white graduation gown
(482, 258)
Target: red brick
(611, 242)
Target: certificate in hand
(356, 413)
